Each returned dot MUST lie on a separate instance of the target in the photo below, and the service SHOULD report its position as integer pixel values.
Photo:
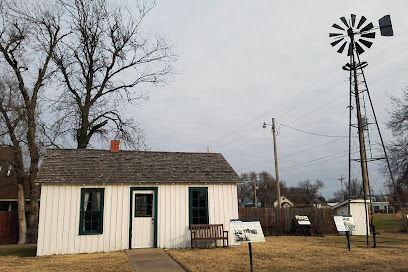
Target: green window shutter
(91, 211)
(198, 205)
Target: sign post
(348, 239)
(250, 257)
(345, 224)
(304, 222)
(247, 231)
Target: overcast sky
(244, 62)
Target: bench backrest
(205, 230)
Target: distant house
(381, 207)
(8, 181)
(357, 210)
(100, 201)
(248, 202)
(285, 202)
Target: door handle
(152, 220)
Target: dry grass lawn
(299, 253)
(283, 253)
(117, 261)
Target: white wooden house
(101, 201)
(285, 202)
(358, 211)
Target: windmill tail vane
(358, 33)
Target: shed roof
(77, 166)
(344, 203)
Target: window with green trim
(143, 205)
(198, 202)
(91, 214)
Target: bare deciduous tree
(266, 187)
(306, 192)
(104, 64)
(398, 148)
(12, 115)
(246, 188)
(28, 36)
(356, 191)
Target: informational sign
(247, 231)
(302, 219)
(344, 223)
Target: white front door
(143, 217)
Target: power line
(406, 49)
(238, 138)
(246, 143)
(304, 115)
(287, 168)
(388, 76)
(333, 101)
(286, 156)
(303, 104)
(321, 158)
(329, 74)
(312, 133)
(284, 102)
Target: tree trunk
(32, 230)
(22, 222)
(34, 159)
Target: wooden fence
(8, 228)
(320, 218)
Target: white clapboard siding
(60, 206)
(173, 224)
(59, 221)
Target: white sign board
(302, 219)
(344, 223)
(247, 231)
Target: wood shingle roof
(78, 166)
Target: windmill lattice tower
(355, 37)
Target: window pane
(87, 201)
(95, 216)
(95, 225)
(202, 203)
(203, 213)
(96, 199)
(198, 206)
(91, 215)
(87, 216)
(143, 205)
(149, 210)
(87, 226)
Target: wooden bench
(200, 232)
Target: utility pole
(276, 164)
(255, 198)
(281, 213)
(342, 192)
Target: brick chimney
(114, 145)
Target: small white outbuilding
(358, 211)
(101, 201)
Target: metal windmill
(353, 37)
